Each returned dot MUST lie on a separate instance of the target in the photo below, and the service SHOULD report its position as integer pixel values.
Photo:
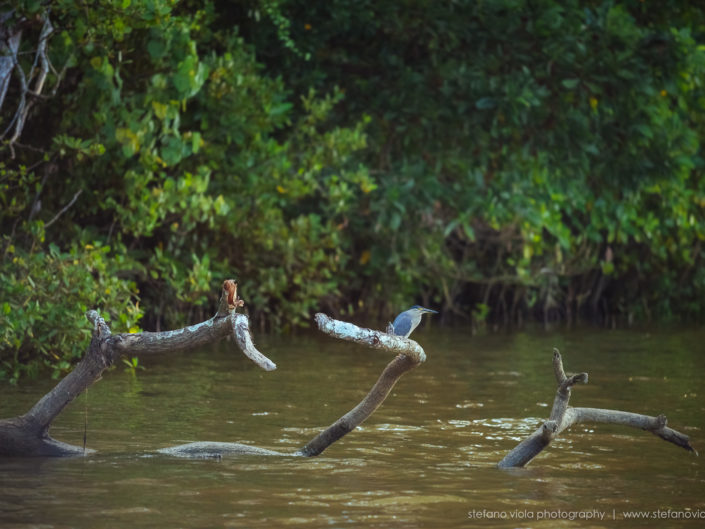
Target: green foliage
(192, 167)
(45, 296)
(542, 157)
(501, 160)
(132, 365)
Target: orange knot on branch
(230, 287)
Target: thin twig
(41, 57)
(64, 209)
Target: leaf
(183, 75)
(469, 232)
(280, 109)
(485, 103)
(156, 49)
(196, 142)
(173, 151)
(129, 141)
(450, 227)
(395, 221)
(160, 109)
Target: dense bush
(500, 160)
(192, 169)
(538, 158)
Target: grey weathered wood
(9, 45)
(211, 449)
(350, 332)
(409, 355)
(564, 416)
(28, 435)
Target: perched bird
(408, 320)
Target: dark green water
(425, 459)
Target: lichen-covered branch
(241, 331)
(28, 435)
(371, 338)
(564, 416)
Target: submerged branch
(410, 355)
(348, 422)
(564, 416)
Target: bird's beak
(429, 310)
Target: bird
(408, 320)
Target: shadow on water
(426, 458)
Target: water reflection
(425, 459)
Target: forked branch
(28, 435)
(409, 355)
(564, 416)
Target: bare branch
(558, 367)
(375, 339)
(655, 425)
(564, 416)
(21, 112)
(28, 434)
(351, 420)
(241, 331)
(40, 67)
(41, 56)
(9, 45)
(17, 120)
(410, 355)
(64, 209)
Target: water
(425, 459)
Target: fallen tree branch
(28, 435)
(409, 355)
(564, 416)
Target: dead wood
(409, 355)
(564, 416)
(28, 434)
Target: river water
(425, 459)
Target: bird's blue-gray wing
(402, 325)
